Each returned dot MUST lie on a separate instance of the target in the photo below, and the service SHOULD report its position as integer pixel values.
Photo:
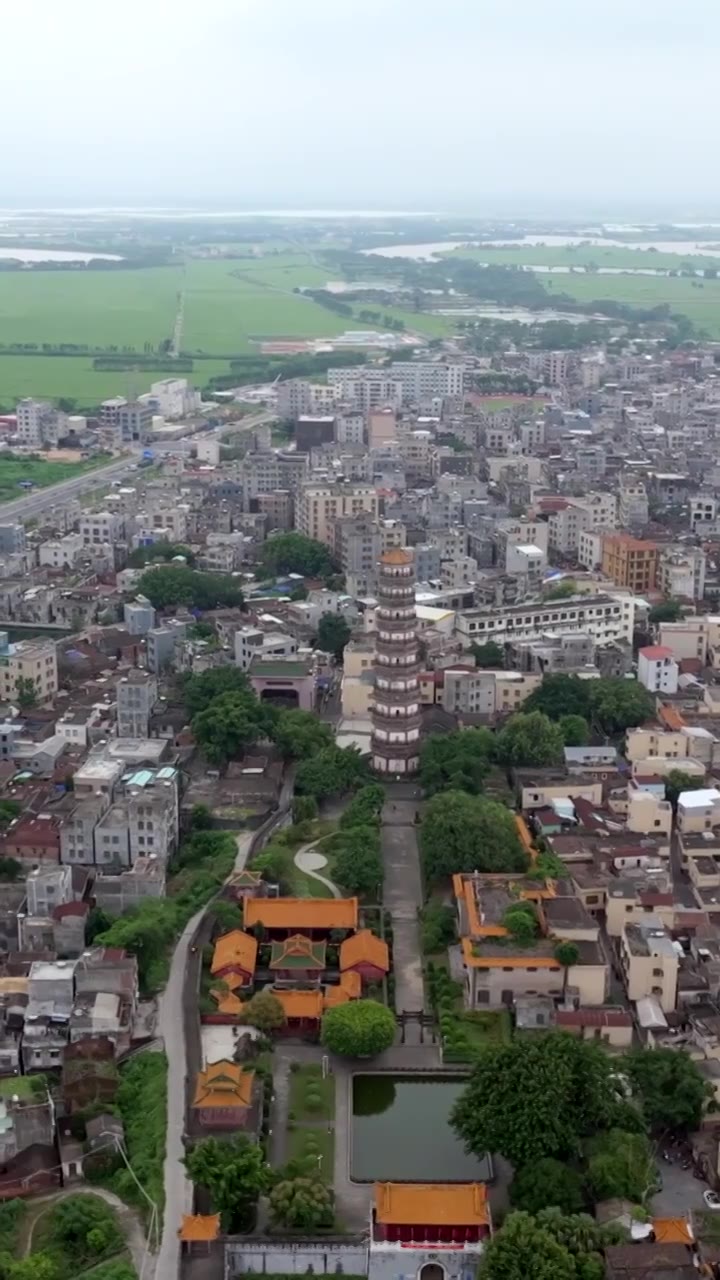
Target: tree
(575, 731)
(677, 781)
(560, 695)
(520, 920)
(620, 1164)
(98, 921)
(146, 931)
(331, 771)
(82, 1224)
(201, 818)
(299, 734)
(174, 585)
(9, 810)
(365, 807)
(523, 1250)
(264, 1011)
(230, 724)
(536, 1098)
(488, 655)
(199, 691)
(304, 1203)
(439, 927)
(545, 1183)
(530, 739)
(567, 954)
(468, 833)
(233, 1171)
(667, 611)
(225, 915)
(26, 693)
(672, 1092)
(37, 1266)
(619, 704)
(304, 809)
(160, 551)
(359, 1029)
(357, 864)
(562, 591)
(333, 634)
(459, 760)
(296, 553)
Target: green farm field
(697, 299)
(586, 256)
(42, 473)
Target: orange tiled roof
(302, 913)
(348, 988)
(235, 948)
(397, 556)
(228, 1003)
(504, 961)
(198, 1227)
(297, 952)
(223, 1084)
(670, 717)
(440, 1204)
(672, 1231)
(300, 1004)
(364, 947)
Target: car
(712, 1199)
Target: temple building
(395, 711)
(428, 1231)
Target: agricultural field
(697, 299)
(578, 256)
(42, 474)
(100, 308)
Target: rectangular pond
(401, 1131)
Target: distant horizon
(645, 216)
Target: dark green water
(401, 1132)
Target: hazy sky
(433, 104)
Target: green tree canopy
(359, 1029)
(365, 806)
(560, 695)
(357, 864)
(459, 760)
(523, 1250)
(299, 734)
(296, 553)
(230, 725)
(264, 1011)
(233, 1171)
(667, 611)
(521, 921)
(562, 591)
(575, 731)
(619, 704)
(334, 631)
(468, 833)
(671, 1090)
(174, 585)
(545, 1183)
(488, 655)
(677, 781)
(536, 1098)
(200, 690)
(159, 551)
(620, 1164)
(304, 1203)
(26, 693)
(530, 739)
(331, 771)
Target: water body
(56, 255)
(431, 252)
(401, 1132)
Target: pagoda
(395, 710)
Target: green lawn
(17, 1086)
(308, 1080)
(13, 470)
(483, 1029)
(309, 1143)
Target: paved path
(130, 1223)
(309, 862)
(403, 898)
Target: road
(171, 1024)
(40, 499)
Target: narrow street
(402, 897)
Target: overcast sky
(467, 105)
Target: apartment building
(267, 472)
(161, 644)
(633, 510)
(366, 389)
(62, 553)
(174, 397)
(136, 696)
(12, 538)
(605, 618)
(633, 895)
(319, 506)
(681, 573)
(139, 616)
(28, 660)
(555, 368)
(657, 669)
(252, 641)
(649, 962)
(102, 528)
(630, 562)
(36, 423)
(566, 526)
(690, 638)
(698, 811)
(279, 508)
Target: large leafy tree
(331, 771)
(264, 1011)
(468, 833)
(160, 551)
(488, 655)
(230, 724)
(174, 585)
(299, 734)
(530, 739)
(459, 760)
(302, 1202)
(365, 806)
(357, 864)
(560, 695)
(296, 553)
(671, 1090)
(536, 1098)
(667, 611)
(620, 1164)
(575, 731)
(523, 1250)
(333, 634)
(619, 704)
(677, 781)
(544, 1183)
(233, 1171)
(200, 690)
(359, 1029)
